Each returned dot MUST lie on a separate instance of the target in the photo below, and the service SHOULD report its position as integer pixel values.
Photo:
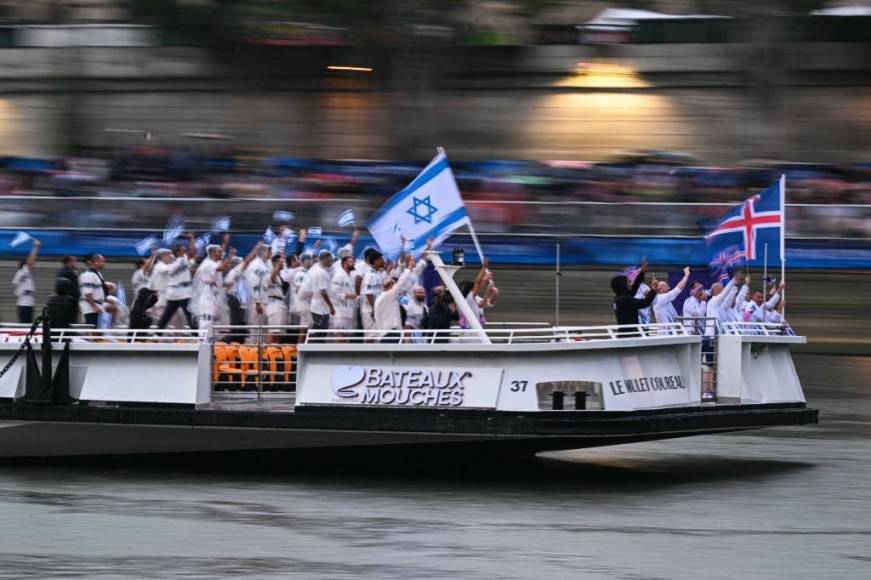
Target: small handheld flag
(221, 224)
(145, 246)
(283, 216)
(315, 233)
(20, 238)
(202, 242)
(268, 235)
(174, 227)
(121, 294)
(242, 293)
(346, 218)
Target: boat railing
(549, 334)
(756, 329)
(107, 335)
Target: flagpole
(475, 241)
(558, 276)
(783, 242)
(765, 277)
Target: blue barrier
(501, 249)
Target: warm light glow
(605, 76)
(351, 68)
(593, 125)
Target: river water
(776, 503)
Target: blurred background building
(335, 103)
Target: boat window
(569, 395)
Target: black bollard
(580, 400)
(558, 400)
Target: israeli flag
(283, 216)
(268, 235)
(174, 228)
(289, 236)
(20, 238)
(104, 320)
(430, 207)
(346, 218)
(242, 293)
(121, 294)
(145, 245)
(221, 225)
(315, 233)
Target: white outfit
(255, 275)
(341, 288)
(91, 283)
(415, 312)
(138, 281)
(663, 308)
(387, 314)
(300, 302)
(276, 306)
(373, 285)
(318, 280)
(716, 305)
(756, 313)
(178, 278)
(644, 313)
(23, 283)
(694, 308)
(209, 283)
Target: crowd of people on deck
(704, 311)
(275, 285)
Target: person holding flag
(22, 282)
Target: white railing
(756, 329)
(16, 334)
(498, 335)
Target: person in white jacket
(663, 308)
(695, 307)
(755, 310)
(387, 314)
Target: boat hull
(78, 431)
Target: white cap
(211, 247)
(324, 254)
(163, 251)
(346, 253)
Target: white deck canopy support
(446, 273)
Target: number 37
(519, 386)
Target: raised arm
(252, 254)
(34, 252)
(639, 279)
(192, 246)
(481, 277)
(149, 264)
(770, 305)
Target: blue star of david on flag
(429, 208)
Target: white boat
(506, 390)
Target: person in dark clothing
(63, 306)
(145, 299)
(626, 306)
(443, 315)
(69, 272)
